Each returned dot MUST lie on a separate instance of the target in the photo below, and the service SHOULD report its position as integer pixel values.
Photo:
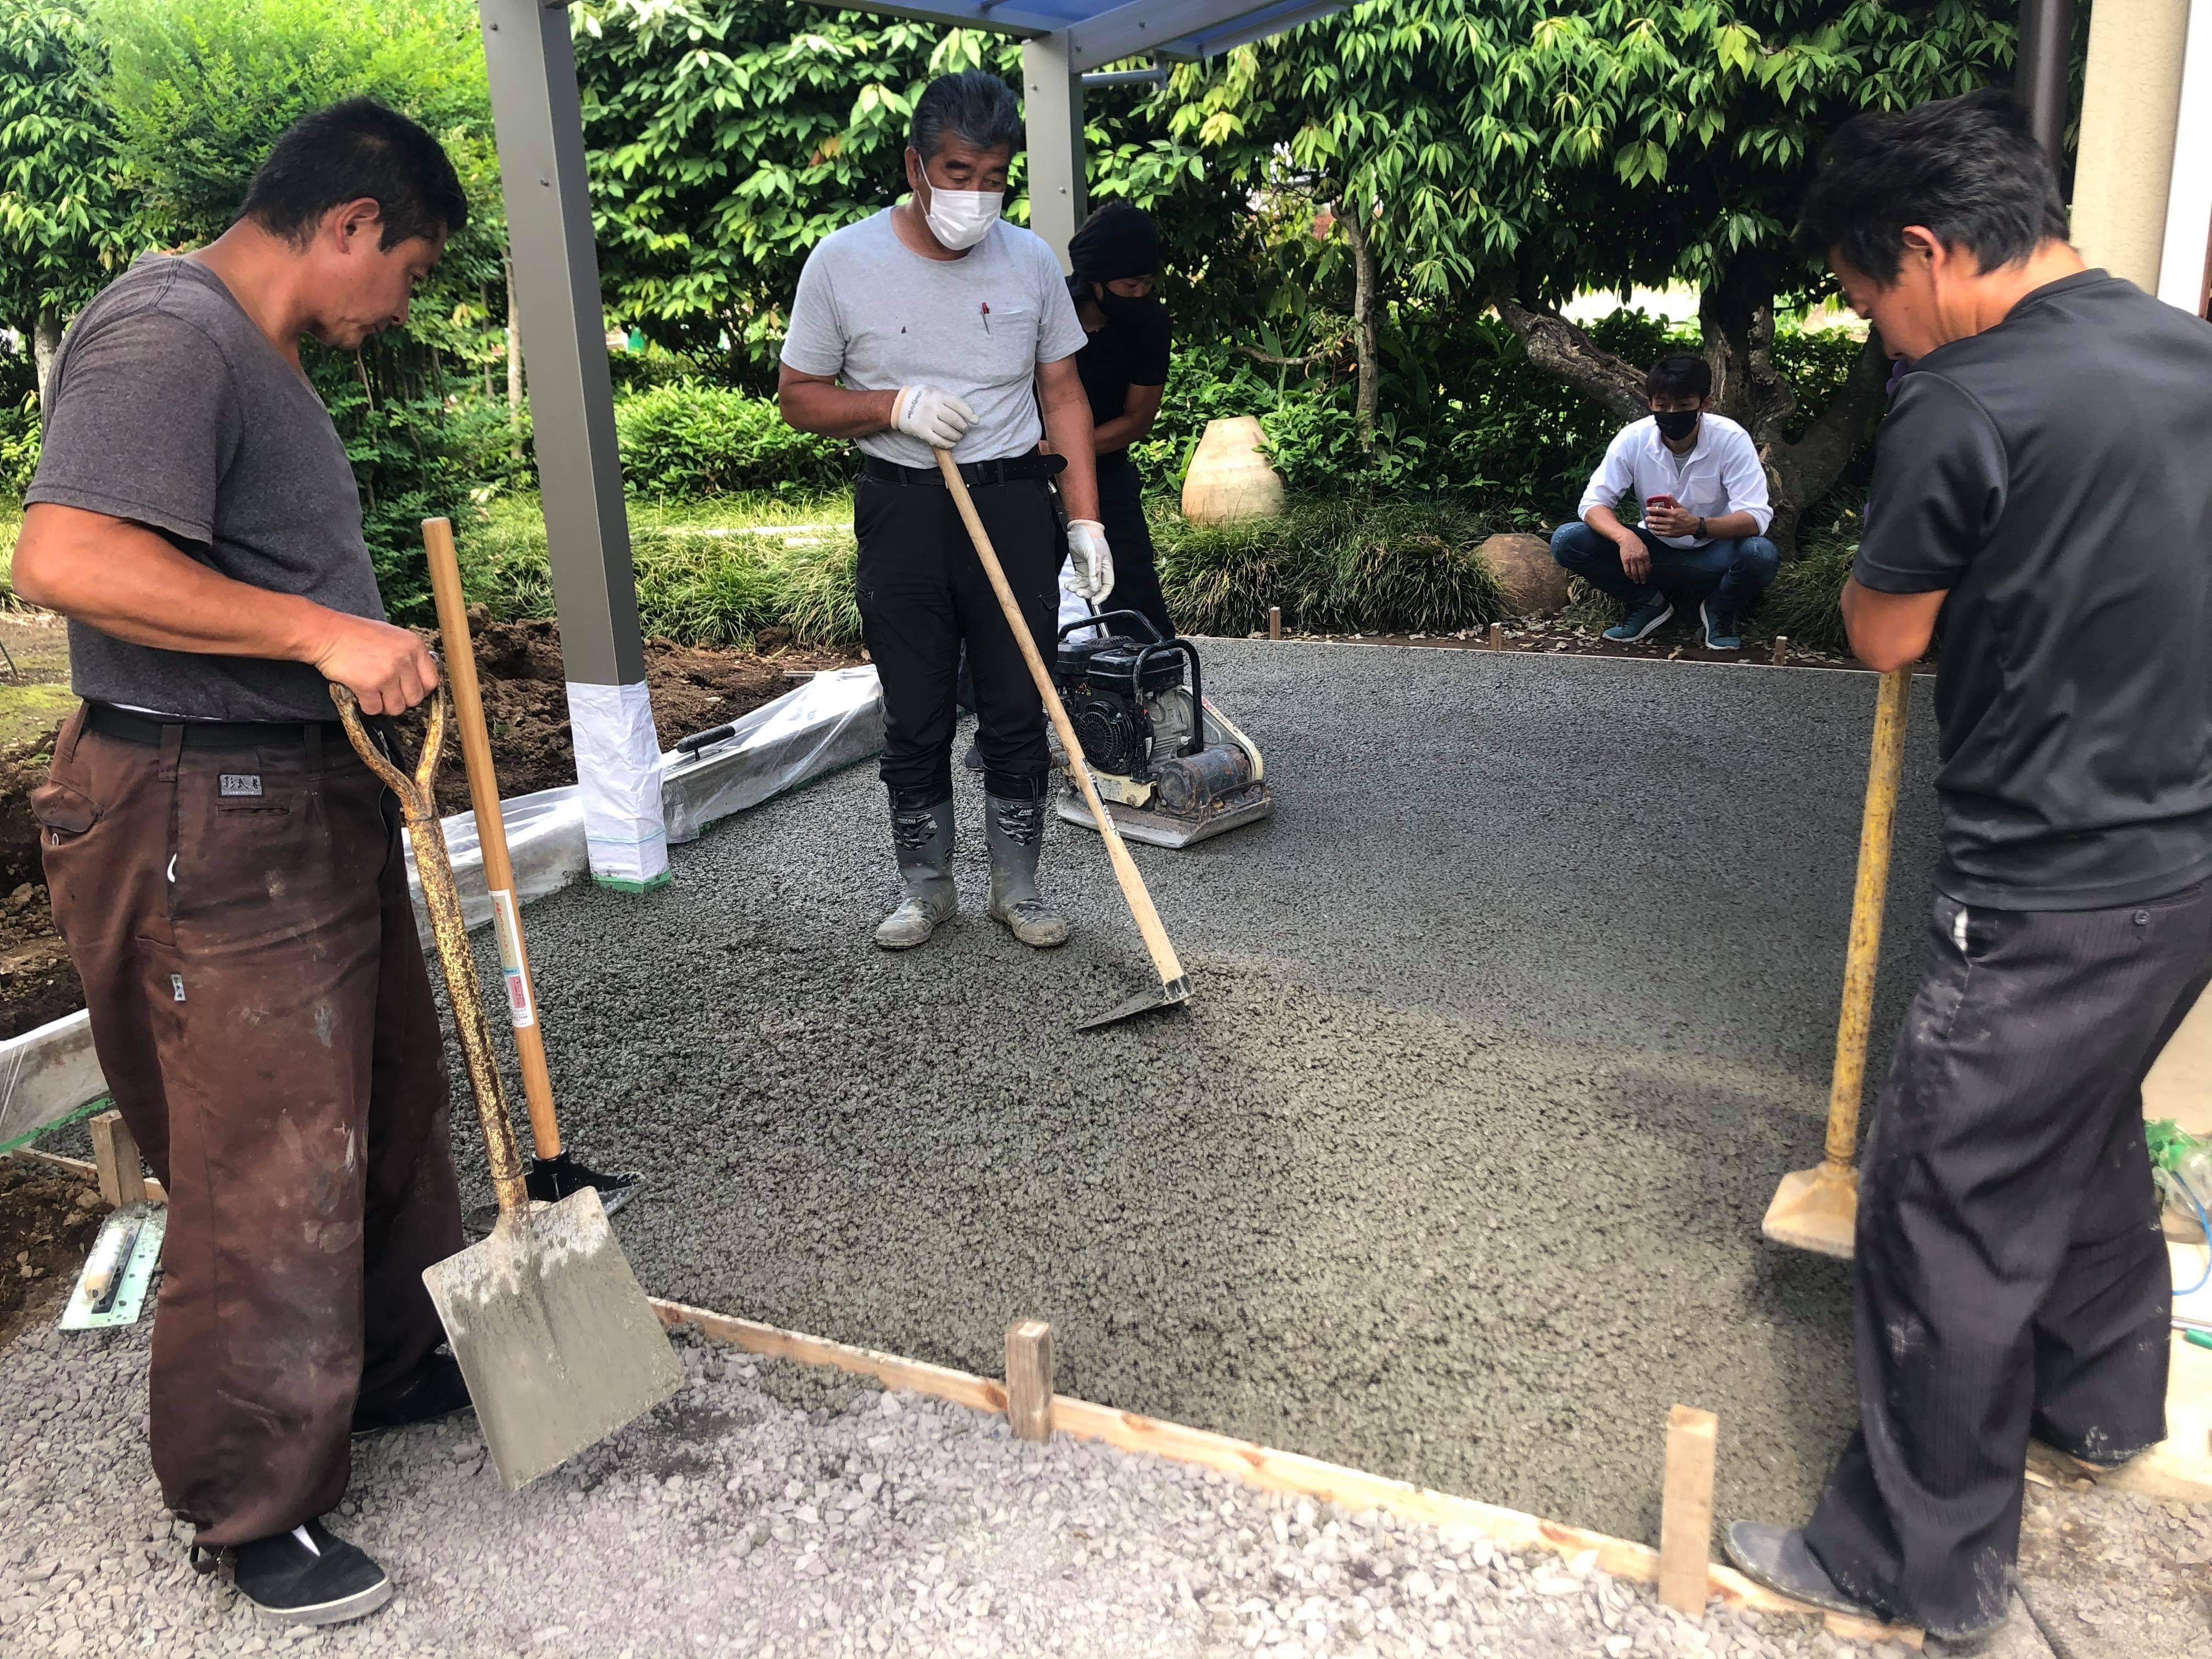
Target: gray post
(1051, 111)
(539, 122)
(2039, 75)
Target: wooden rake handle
(1885, 765)
(1164, 960)
(442, 899)
(491, 834)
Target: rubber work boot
(1015, 832)
(921, 839)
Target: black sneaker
(435, 1390)
(550, 1179)
(309, 1576)
(1776, 1557)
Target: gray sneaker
(1719, 628)
(1646, 619)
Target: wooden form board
(1255, 1465)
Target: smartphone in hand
(1666, 502)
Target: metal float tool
(558, 1344)
(553, 1174)
(1817, 1209)
(1174, 984)
(111, 1289)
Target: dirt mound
(47, 1220)
(37, 983)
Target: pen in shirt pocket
(986, 316)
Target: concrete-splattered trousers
(2009, 1277)
(239, 917)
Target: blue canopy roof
(1100, 32)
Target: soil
(525, 704)
(47, 1221)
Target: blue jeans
(1733, 573)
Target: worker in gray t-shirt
(935, 325)
(222, 866)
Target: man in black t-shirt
(2042, 496)
(1124, 366)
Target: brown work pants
(241, 920)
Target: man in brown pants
(226, 872)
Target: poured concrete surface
(1507, 1023)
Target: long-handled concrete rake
(1174, 984)
(557, 1343)
(1817, 1209)
(553, 1174)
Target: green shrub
(19, 449)
(1805, 600)
(687, 438)
(1333, 566)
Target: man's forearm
(1119, 434)
(1732, 528)
(836, 411)
(1067, 430)
(1603, 519)
(132, 584)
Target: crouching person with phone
(1696, 476)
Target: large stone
(1229, 477)
(1529, 579)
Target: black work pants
(2009, 1276)
(1136, 579)
(922, 593)
(240, 920)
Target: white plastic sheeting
(618, 770)
(46, 1073)
(545, 842)
(832, 720)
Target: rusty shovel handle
(418, 805)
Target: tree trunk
(1737, 316)
(513, 359)
(1368, 396)
(45, 346)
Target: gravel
(1507, 1023)
(769, 1510)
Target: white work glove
(1091, 563)
(930, 414)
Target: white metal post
(1052, 113)
(2186, 261)
(538, 120)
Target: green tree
(1502, 152)
(728, 136)
(63, 224)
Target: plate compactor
(1168, 779)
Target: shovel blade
(558, 1344)
(1817, 1210)
(1155, 996)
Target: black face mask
(1676, 423)
(1123, 307)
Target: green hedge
(688, 439)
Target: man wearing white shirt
(1696, 479)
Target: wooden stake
(1028, 1379)
(1497, 637)
(1274, 622)
(1686, 1512)
(1781, 650)
(115, 1155)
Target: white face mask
(960, 218)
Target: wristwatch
(1701, 528)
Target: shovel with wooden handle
(1174, 984)
(1817, 1209)
(553, 1173)
(555, 1340)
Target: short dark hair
(348, 151)
(1968, 168)
(974, 106)
(1679, 374)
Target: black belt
(113, 722)
(976, 475)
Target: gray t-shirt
(878, 316)
(170, 408)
